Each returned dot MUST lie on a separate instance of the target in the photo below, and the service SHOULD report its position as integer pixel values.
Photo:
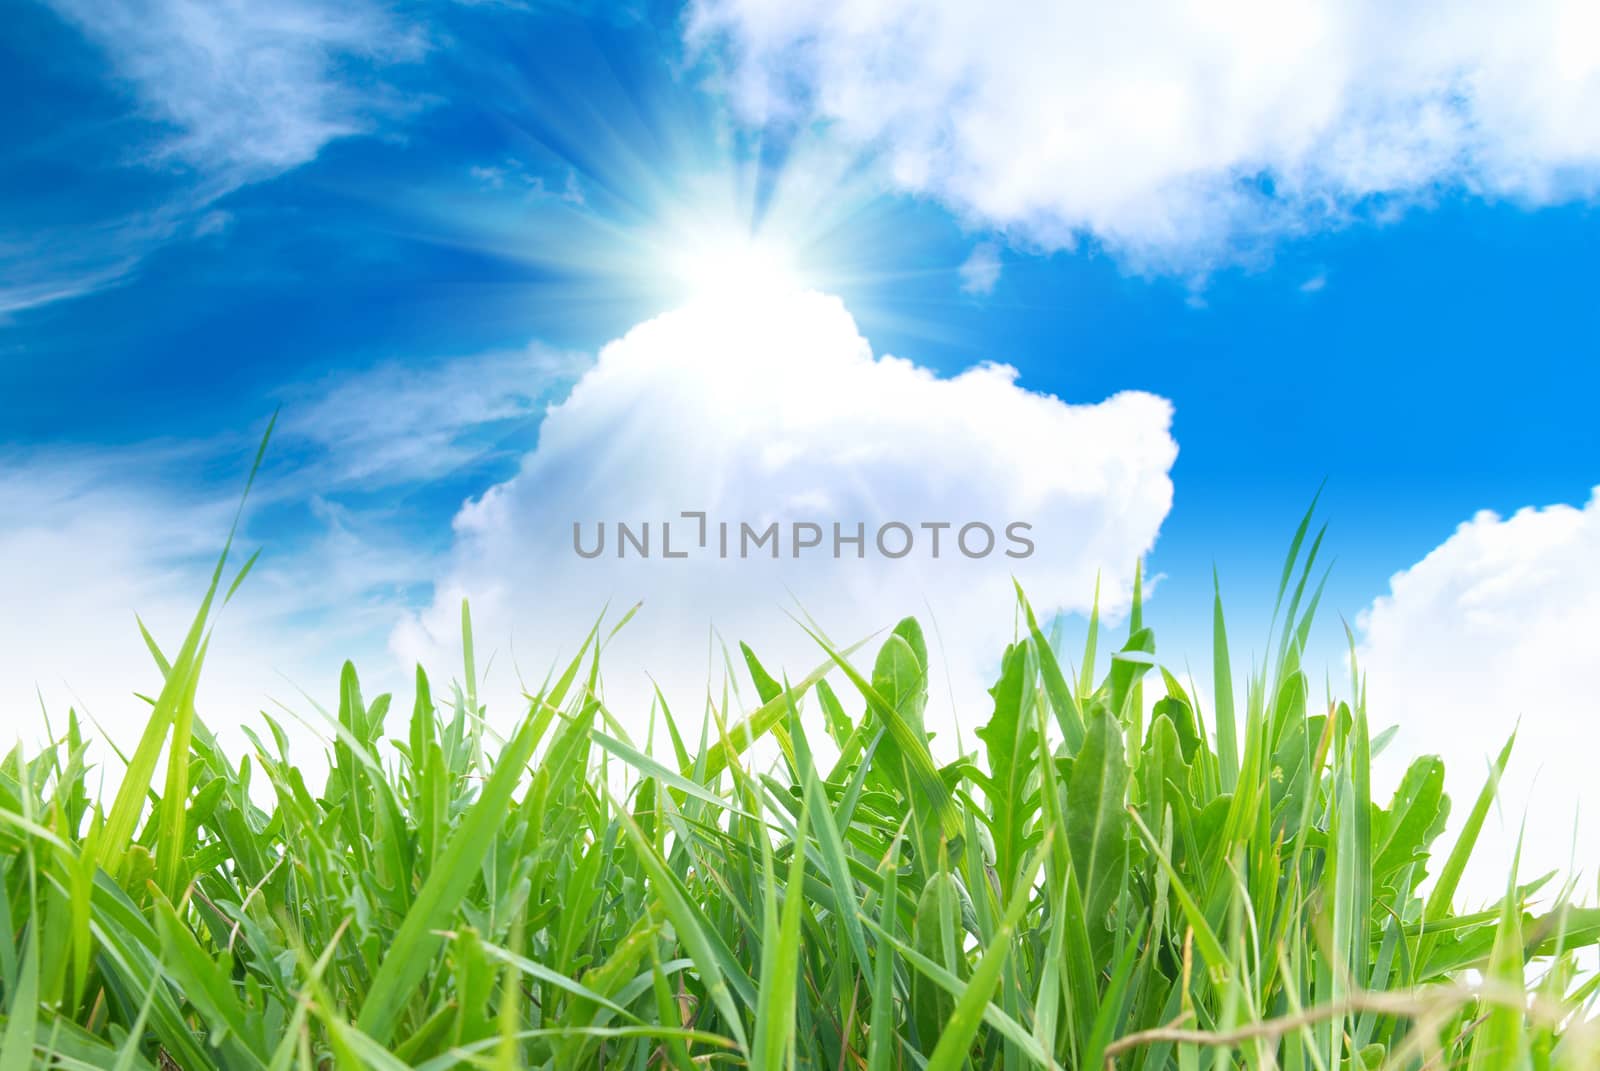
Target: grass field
(1103, 881)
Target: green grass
(1102, 881)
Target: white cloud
(981, 270)
(71, 261)
(770, 409)
(92, 535)
(248, 90)
(1498, 624)
(235, 93)
(773, 408)
(91, 538)
(400, 422)
(1182, 135)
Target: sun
(734, 270)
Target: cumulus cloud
(761, 410)
(1182, 135)
(1498, 624)
(774, 409)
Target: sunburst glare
(650, 202)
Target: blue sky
(1426, 367)
(414, 227)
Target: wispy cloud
(401, 422)
(247, 90)
(91, 535)
(69, 260)
(82, 554)
(226, 93)
(513, 175)
(981, 270)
